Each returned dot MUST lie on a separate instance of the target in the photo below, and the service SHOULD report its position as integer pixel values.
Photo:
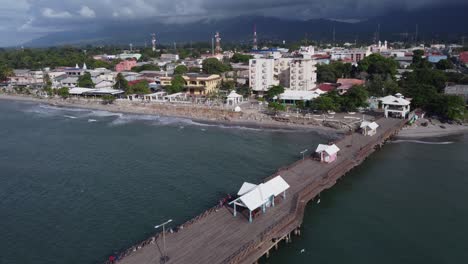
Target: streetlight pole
(164, 258)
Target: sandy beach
(197, 113)
(434, 128)
(223, 116)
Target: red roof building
(327, 87)
(346, 84)
(464, 57)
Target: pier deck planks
(219, 235)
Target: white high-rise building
(293, 74)
(303, 75)
(261, 74)
(282, 71)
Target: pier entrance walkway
(219, 237)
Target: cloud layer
(30, 18)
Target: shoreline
(143, 109)
(228, 118)
(432, 129)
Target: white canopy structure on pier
(369, 128)
(263, 195)
(327, 153)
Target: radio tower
(153, 41)
(218, 43)
(255, 46)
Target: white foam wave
(423, 142)
(62, 108)
(69, 116)
(92, 120)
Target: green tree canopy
(180, 69)
(325, 103)
(378, 64)
(146, 67)
(102, 64)
(355, 98)
(214, 66)
(448, 106)
(63, 92)
(241, 58)
(425, 76)
(228, 85)
(331, 72)
(378, 86)
(141, 87)
(108, 99)
(419, 61)
(274, 91)
(444, 65)
(121, 83)
(5, 72)
(85, 81)
(177, 84)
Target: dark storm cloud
(26, 17)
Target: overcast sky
(22, 20)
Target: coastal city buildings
(197, 84)
(125, 65)
(295, 74)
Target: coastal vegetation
(424, 84)
(85, 81)
(214, 66)
(241, 58)
(108, 99)
(146, 67)
(120, 82)
(63, 92)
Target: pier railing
(293, 219)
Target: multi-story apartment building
(355, 55)
(27, 78)
(261, 75)
(295, 74)
(303, 75)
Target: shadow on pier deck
(218, 237)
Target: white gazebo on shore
(369, 128)
(234, 98)
(262, 196)
(395, 105)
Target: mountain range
(435, 24)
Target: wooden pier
(218, 237)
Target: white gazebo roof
(233, 94)
(371, 125)
(246, 187)
(260, 194)
(393, 100)
(330, 150)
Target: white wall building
(170, 57)
(355, 55)
(27, 77)
(261, 74)
(395, 106)
(295, 74)
(303, 75)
